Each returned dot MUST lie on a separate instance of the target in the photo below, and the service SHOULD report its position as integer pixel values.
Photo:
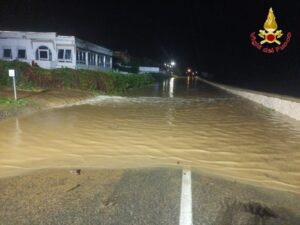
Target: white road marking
(186, 212)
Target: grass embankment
(37, 78)
(43, 89)
(10, 101)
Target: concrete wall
(286, 105)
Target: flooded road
(172, 124)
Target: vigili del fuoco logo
(272, 39)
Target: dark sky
(209, 35)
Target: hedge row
(108, 82)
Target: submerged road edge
(285, 105)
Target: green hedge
(109, 82)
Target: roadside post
(12, 73)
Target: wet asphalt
(141, 197)
(150, 197)
(217, 201)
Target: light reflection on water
(175, 123)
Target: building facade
(50, 51)
(149, 69)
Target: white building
(148, 69)
(51, 51)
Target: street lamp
(173, 63)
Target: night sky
(210, 35)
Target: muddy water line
(180, 121)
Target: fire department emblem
(271, 36)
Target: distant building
(148, 69)
(50, 51)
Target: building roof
(29, 35)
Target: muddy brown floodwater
(171, 124)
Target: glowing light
(171, 87)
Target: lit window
(7, 53)
(43, 53)
(21, 54)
